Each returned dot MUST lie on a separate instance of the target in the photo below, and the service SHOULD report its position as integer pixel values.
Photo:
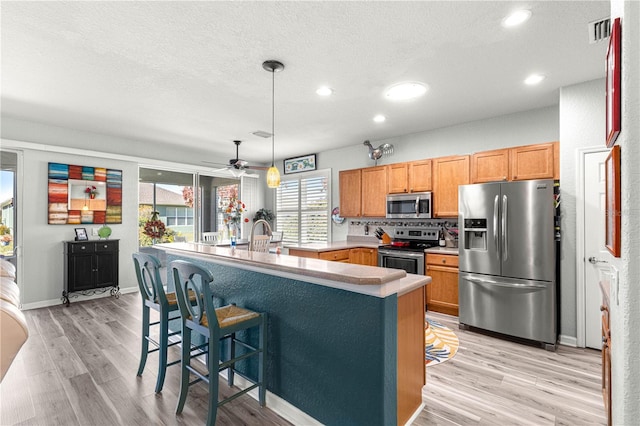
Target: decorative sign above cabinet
(81, 194)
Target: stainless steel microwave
(409, 206)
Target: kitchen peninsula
(346, 342)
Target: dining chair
(216, 325)
(154, 297)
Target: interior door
(596, 255)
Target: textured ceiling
(190, 74)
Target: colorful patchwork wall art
(81, 194)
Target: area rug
(441, 343)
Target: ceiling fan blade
(256, 167)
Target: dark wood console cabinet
(90, 267)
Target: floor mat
(441, 343)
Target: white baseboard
(276, 404)
(58, 301)
(415, 414)
(568, 341)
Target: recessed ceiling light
(324, 91)
(534, 79)
(406, 91)
(516, 18)
(379, 118)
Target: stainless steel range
(406, 251)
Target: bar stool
(154, 297)
(216, 325)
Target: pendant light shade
(273, 175)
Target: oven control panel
(427, 233)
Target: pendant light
(273, 175)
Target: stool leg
(145, 336)
(232, 354)
(214, 361)
(184, 372)
(162, 350)
(262, 362)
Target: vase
(92, 196)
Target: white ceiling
(190, 73)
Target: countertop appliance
(409, 206)
(507, 259)
(406, 250)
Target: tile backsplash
(357, 225)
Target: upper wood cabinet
(398, 177)
(533, 161)
(374, 196)
(420, 176)
(539, 161)
(490, 166)
(350, 193)
(409, 177)
(448, 173)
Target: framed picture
(300, 164)
(81, 234)
(612, 201)
(613, 84)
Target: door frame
(581, 285)
(18, 186)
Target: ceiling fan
(238, 166)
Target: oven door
(410, 261)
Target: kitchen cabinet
(374, 196)
(364, 256)
(448, 174)
(420, 176)
(533, 161)
(442, 293)
(409, 177)
(335, 255)
(90, 266)
(606, 361)
(350, 193)
(490, 166)
(398, 178)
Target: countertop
(370, 280)
(349, 244)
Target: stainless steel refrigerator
(507, 262)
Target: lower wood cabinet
(359, 255)
(90, 265)
(442, 293)
(335, 255)
(364, 256)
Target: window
(302, 208)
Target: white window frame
(326, 173)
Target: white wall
(42, 249)
(625, 308)
(523, 128)
(582, 125)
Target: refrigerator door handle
(505, 249)
(495, 225)
(502, 284)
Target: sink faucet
(264, 223)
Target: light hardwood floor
(500, 382)
(79, 368)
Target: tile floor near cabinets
(499, 382)
(79, 368)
